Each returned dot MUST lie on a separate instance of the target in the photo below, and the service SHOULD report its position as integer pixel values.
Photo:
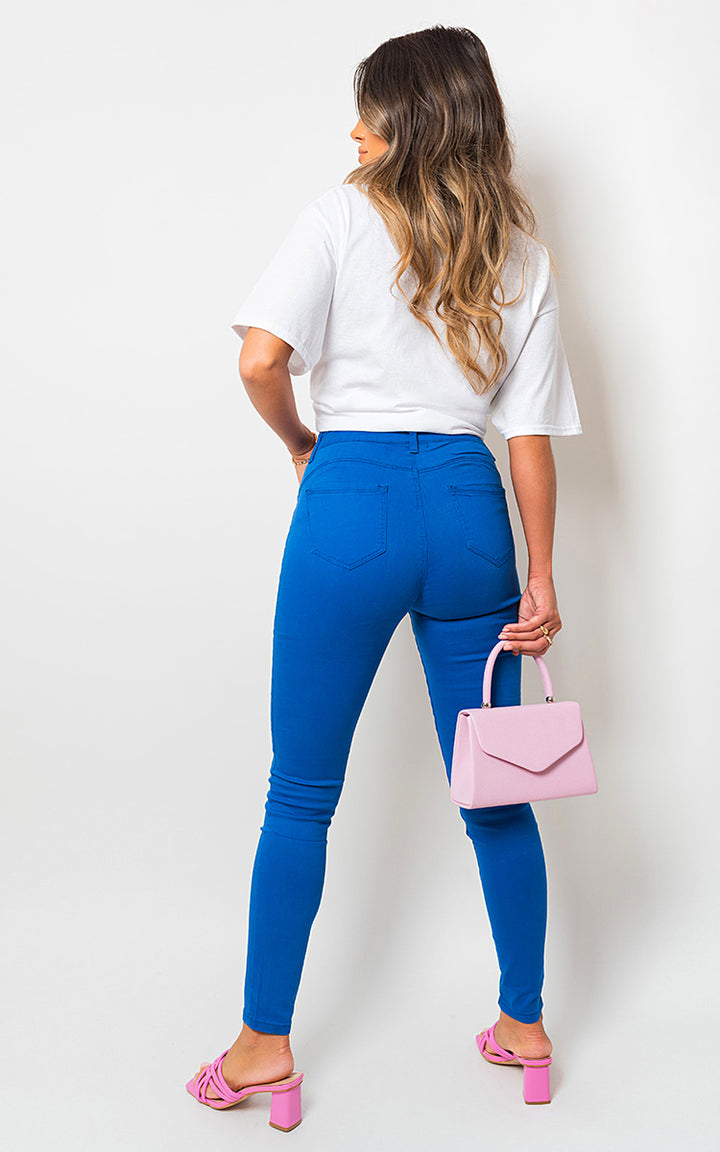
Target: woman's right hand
(300, 468)
(538, 605)
(300, 459)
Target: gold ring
(545, 632)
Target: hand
(538, 605)
(300, 468)
(303, 457)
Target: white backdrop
(154, 155)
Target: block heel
(536, 1082)
(286, 1109)
(536, 1073)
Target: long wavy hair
(444, 185)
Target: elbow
(258, 365)
(254, 369)
(262, 356)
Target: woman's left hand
(538, 606)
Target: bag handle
(490, 664)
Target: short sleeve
(292, 297)
(537, 395)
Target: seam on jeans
(449, 463)
(423, 535)
(361, 460)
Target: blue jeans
(387, 523)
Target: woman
(418, 297)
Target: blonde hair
(444, 186)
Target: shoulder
(349, 194)
(528, 271)
(338, 204)
(528, 250)
(333, 213)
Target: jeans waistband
(411, 441)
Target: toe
(209, 1091)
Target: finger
(530, 622)
(522, 630)
(536, 646)
(536, 636)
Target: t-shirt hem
(394, 422)
(541, 430)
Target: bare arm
(264, 373)
(534, 479)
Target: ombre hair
(444, 185)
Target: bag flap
(532, 736)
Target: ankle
(263, 1041)
(520, 1025)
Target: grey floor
(113, 998)
(127, 847)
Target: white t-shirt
(373, 366)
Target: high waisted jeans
(387, 523)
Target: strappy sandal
(285, 1105)
(536, 1074)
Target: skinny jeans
(385, 524)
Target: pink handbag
(520, 752)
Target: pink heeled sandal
(536, 1073)
(285, 1104)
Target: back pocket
(485, 521)
(347, 526)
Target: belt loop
(413, 441)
